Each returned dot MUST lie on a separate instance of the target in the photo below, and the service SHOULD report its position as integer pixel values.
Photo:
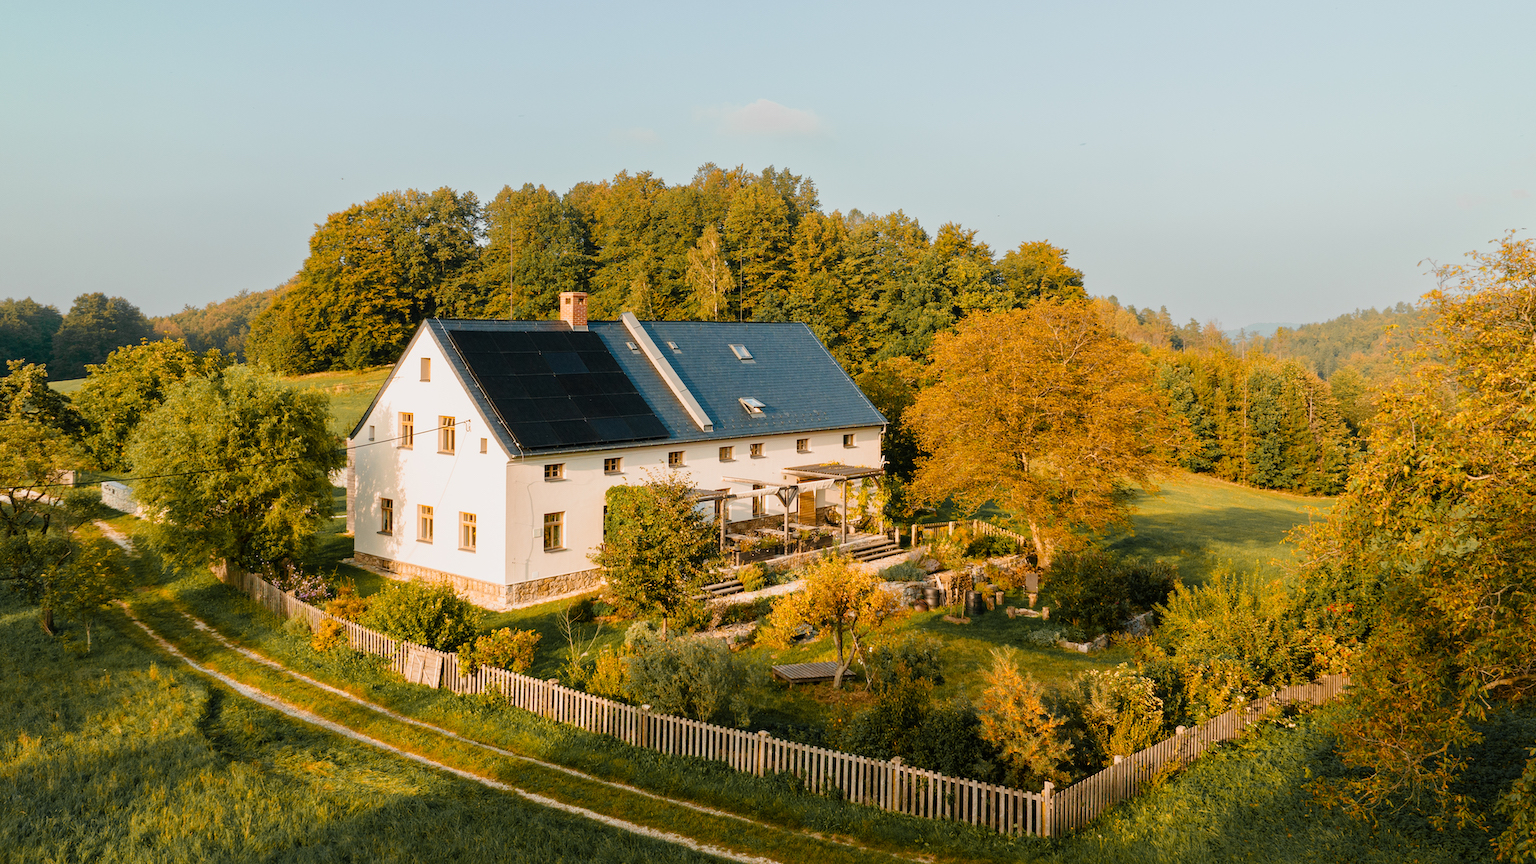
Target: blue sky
(1230, 161)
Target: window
(752, 404)
(613, 465)
(386, 515)
(727, 454)
(675, 349)
(848, 440)
(423, 523)
(407, 429)
(802, 445)
(370, 433)
(742, 353)
(484, 445)
(675, 459)
(757, 501)
(426, 368)
(757, 450)
(633, 348)
(467, 532)
(445, 435)
(555, 471)
(554, 531)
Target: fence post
(1047, 810)
(645, 726)
(762, 750)
(951, 527)
(914, 535)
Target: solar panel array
(557, 389)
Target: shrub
(1031, 738)
(1099, 592)
(308, 587)
(506, 648)
(1119, 711)
(348, 604)
(610, 675)
(916, 657)
(434, 616)
(297, 626)
(904, 571)
(696, 678)
(330, 634)
(991, 546)
(753, 577)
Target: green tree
(1036, 270)
(39, 554)
(892, 386)
(374, 271)
(27, 330)
(96, 326)
(224, 325)
(757, 236)
(709, 276)
(657, 546)
(1433, 538)
(131, 382)
(236, 468)
(431, 615)
(537, 248)
(1045, 412)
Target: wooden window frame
(802, 445)
(677, 458)
(447, 437)
(387, 516)
(469, 532)
(407, 431)
(554, 531)
(613, 465)
(727, 454)
(554, 471)
(756, 450)
(425, 523)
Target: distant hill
(1366, 340)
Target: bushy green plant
(505, 649)
(1119, 711)
(696, 678)
(916, 657)
(347, 603)
(431, 615)
(753, 577)
(904, 571)
(991, 546)
(1099, 592)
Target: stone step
(876, 551)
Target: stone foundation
(489, 595)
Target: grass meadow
(124, 755)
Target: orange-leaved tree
(838, 598)
(1434, 545)
(1047, 413)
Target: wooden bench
(807, 673)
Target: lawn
(351, 393)
(121, 755)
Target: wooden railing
(920, 531)
(887, 784)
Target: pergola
(839, 473)
(786, 492)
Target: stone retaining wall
(491, 596)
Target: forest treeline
(96, 325)
(730, 244)
(1285, 412)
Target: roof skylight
(752, 405)
(742, 353)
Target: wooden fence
(977, 526)
(1081, 803)
(886, 784)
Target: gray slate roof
(802, 387)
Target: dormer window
(752, 405)
(742, 353)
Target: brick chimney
(573, 309)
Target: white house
(485, 456)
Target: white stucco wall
(581, 494)
(509, 495)
(466, 481)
